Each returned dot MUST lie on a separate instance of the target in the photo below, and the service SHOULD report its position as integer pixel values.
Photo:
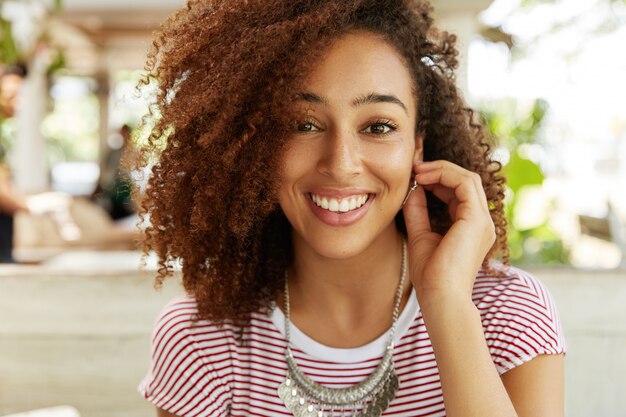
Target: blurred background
(548, 76)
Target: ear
(419, 149)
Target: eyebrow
(359, 101)
(379, 98)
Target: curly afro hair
(226, 72)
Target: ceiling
(107, 35)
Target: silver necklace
(369, 398)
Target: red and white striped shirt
(200, 369)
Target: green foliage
(71, 129)
(8, 50)
(521, 172)
(58, 63)
(527, 3)
(531, 239)
(540, 245)
(515, 125)
(11, 55)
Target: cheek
(289, 165)
(292, 167)
(397, 162)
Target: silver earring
(412, 188)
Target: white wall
(78, 340)
(592, 306)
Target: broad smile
(340, 210)
(340, 205)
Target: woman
(11, 201)
(329, 270)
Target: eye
(307, 126)
(380, 127)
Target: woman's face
(348, 164)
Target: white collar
(371, 350)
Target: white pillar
(30, 166)
(461, 18)
(465, 26)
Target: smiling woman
(289, 138)
(355, 146)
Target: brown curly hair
(226, 72)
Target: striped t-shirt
(200, 369)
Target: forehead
(358, 63)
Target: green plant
(8, 49)
(531, 238)
(10, 53)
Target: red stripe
(202, 369)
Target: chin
(340, 243)
(339, 250)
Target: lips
(340, 208)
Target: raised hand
(447, 265)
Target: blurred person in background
(113, 192)
(11, 201)
(11, 79)
(60, 208)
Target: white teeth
(339, 205)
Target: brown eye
(381, 128)
(307, 127)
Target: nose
(341, 157)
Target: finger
(446, 195)
(443, 193)
(458, 180)
(427, 167)
(481, 191)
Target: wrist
(437, 302)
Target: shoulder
(519, 316)
(176, 316)
(508, 283)
(178, 328)
(179, 320)
(188, 361)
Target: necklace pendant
(380, 401)
(296, 401)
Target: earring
(412, 188)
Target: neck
(346, 302)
